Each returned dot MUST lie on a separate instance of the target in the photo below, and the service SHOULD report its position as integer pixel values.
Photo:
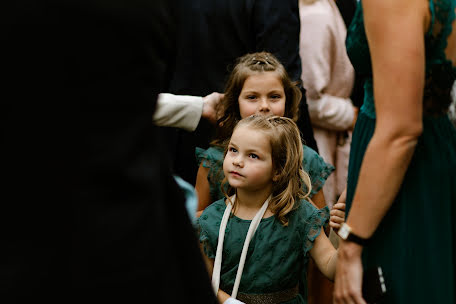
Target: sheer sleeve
(317, 168)
(212, 158)
(312, 220)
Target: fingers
(337, 216)
(339, 206)
(349, 276)
(335, 226)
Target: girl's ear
(276, 177)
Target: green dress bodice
(277, 254)
(440, 74)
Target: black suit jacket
(211, 35)
(90, 213)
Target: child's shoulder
(216, 208)
(213, 213)
(316, 167)
(305, 211)
(213, 153)
(312, 156)
(309, 221)
(208, 226)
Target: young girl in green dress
(265, 229)
(258, 84)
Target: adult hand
(349, 275)
(210, 103)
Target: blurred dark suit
(90, 212)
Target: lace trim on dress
(319, 219)
(204, 240)
(440, 73)
(443, 14)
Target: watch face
(344, 231)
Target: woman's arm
(202, 188)
(324, 255)
(395, 31)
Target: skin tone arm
(319, 199)
(221, 296)
(324, 255)
(396, 41)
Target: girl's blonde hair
(287, 155)
(246, 66)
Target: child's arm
(202, 187)
(221, 295)
(324, 255)
(319, 199)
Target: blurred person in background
(211, 34)
(328, 78)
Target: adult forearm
(383, 169)
(332, 112)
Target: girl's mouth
(236, 174)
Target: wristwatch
(345, 232)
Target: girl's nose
(237, 161)
(264, 106)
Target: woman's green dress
(277, 256)
(415, 242)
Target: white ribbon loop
(218, 257)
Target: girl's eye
(251, 97)
(231, 149)
(276, 96)
(252, 155)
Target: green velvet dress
(415, 241)
(212, 158)
(277, 256)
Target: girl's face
(248, 161)
(262, 93)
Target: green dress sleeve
(208, 225)
(311, 220)
(212, 159)
(317, 168)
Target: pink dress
(328, 78)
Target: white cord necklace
(218, 257)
